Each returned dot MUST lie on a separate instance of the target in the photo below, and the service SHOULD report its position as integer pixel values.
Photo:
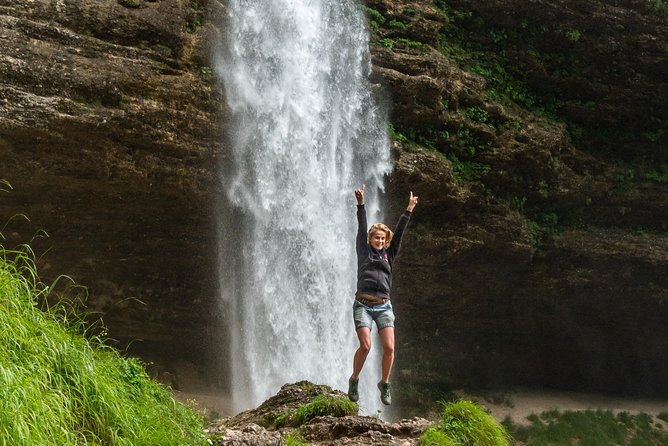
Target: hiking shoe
(385, 395)
(353, 394)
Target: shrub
(467, 424)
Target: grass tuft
(59, 388)
(322, 405)
(464, 423)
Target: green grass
(336, 406)
(590, 428)
(59, 388)
(293, 439)
(464, 423)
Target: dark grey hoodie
(374, 267)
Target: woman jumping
(376, 251)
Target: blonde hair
(376, 227)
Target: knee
(365, 347)
(388, 349)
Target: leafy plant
(395, 135)
(387, 43)
(397, 24)
(477, 114)
(573, 35)
(375, 17)
(410, 43)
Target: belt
(370, 302)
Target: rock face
(534, 133)
(257, 427)
(535, 256)
(110, 132)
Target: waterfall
(306, 133)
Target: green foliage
(477, 114)
(59, 388)
(467, 170)
(442, 6)
(573, 35)
(293, 439)
(435, 437)
(336, 406)
(397, 24)
(375, 17)
(408, 43)
(661, 6)
(387, 43)
(467, 142)
(464, 423)
(395, 135)
(591, 428)
(193, 24)
(197, 18)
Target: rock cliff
(534, 133)
(536, 255)
(110, 131)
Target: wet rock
(244, 428)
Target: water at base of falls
(306, 132)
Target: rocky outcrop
(258, 427)
(110, 132)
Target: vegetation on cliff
(59, 388)
(535, 135)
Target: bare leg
(364, 336)
(387, 341)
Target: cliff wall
(534, 133)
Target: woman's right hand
(359, 195)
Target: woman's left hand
(412, 201)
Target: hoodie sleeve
(398, 233)
(360, 242)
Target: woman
(376, 251)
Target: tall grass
(464, 423)
(322, 405)
(59, 388)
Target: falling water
(306, 133)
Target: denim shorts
(364, 315)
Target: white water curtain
(307, 132)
